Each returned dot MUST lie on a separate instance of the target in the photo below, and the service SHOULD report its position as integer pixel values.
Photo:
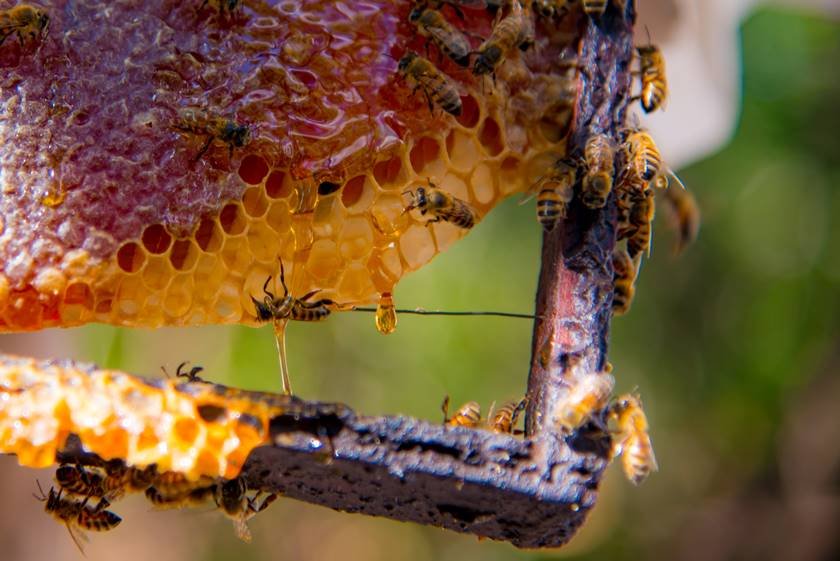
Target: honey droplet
(386, 315)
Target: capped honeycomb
(198, 429)
(109, 215)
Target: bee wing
(240, 528)
(76, 535)
(457, 42)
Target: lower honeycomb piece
(146, 234)
(197, 429)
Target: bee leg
(3, 38)
(266, 291)
(445, 408)
(309, 295)
(204, 148)
(283, 279)
(431, 104)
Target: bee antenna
(43, 496)
(650, 42)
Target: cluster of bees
(79, 487)
(503, 420)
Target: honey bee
(450, 41)
(599, 156)
(555, 192)
(638, 230)
(77, 515)
(440, 205)
(624, 280)
(174, 483)
(588, 395)
(189, 497)
(281, 310)
(386, 314)
(288, 307)
(468, 415)
(220, 6)
(231, 497)
(505, 418)
(81, 481)
(199, 122)
(191, 376)
(683, 217)
(643, 158)
(24, 20)
(595, 8)
(633, 442)
(133, 479)
(436, 86)
(514, 30)
(652, 74)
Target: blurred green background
(735, 348)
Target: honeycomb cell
(183, 255)
(425, 152)
(4, 291)
(279, 217)
(185, 431)
(483, 184)
(389, 173)
(417, 246)
(356, 239)
(352, 191)
(156, 239)
(462, 149)
(490, 137)
(355, 284)
(328, 218)
(277, 186)
(235, 254)
(157, 272)
(263, 242)
(254, 202)
(387, 216)
(253, 169)
(179, 296)
(227, 306)
(232, 219)
(209, 236)
(324, 260)
(131, 257)
(470, 112)
(78, 302)
(131, 296)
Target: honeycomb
(198, 429)
(108, 216)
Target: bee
(188, 497)
(588, 395)
(441, 206)
(133, 479)
(505, 418)
(81, 481)
(288, 307)
(624, 280)
(436, 86)
(652, 74)
(386, 315)
(638, 230)
(633, 442)
(77, 515)
(555, 192)
(643, 158)
(215, 127)
(595, 8)
(24, 20)
(514, 30)
(683, 217)
(468, 415)
(220, 6)
(174, 483)
(450, 41)
(280, 310)
(599, 156)
(231, 497)
(191, 376)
